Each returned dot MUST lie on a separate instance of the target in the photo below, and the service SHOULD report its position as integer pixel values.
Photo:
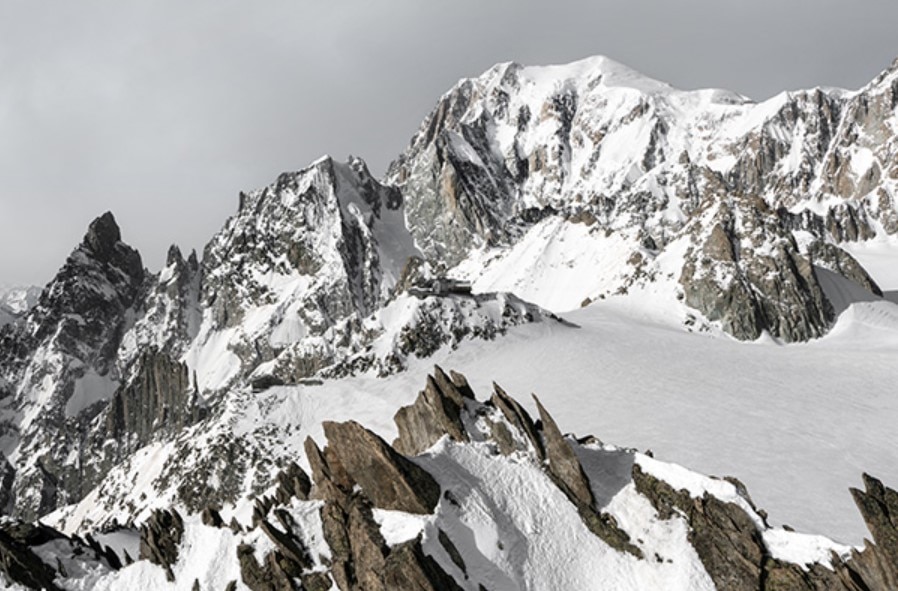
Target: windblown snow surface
(798, 424)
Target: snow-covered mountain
(309, 279)
(16, 301)
(150, 409)
(593, 178)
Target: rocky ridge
(340, 526)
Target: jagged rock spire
(103, 233)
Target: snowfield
(798, 424)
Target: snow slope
(880, 258)
(797, 424)
(509, 523)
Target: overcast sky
(162, 111)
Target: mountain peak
(597, 69)
(103, 234)
(174, 256)
(103, 243)
(890, 73)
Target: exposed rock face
(835, 259)
(62, 362)
(258, 578)
(879, 506)
(730, 545)
(15, 302)
(458, 204)
(518, 418)
(290, 561)
(7, 478)
(289, 547)
(211, 517)
(409, 568)
(332, 233)
(160, 538)
(563, 463)
(281, 567)
(161, 397)
(20, 563)
(86, 370)
(363, 560)
(356, 472)
(748, 291)
(358, 478)
(386, 477)
(311, 278)
(509, 159)
(22, 546)
(439, 411)
(732, 555)
(169, 314)
(302, 281)
(727, 539)
(293, 482)
(436, 412)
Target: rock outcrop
(301, 282)
(356, 473)
(769, 285)
(161, 397)
(562, 461)
(23, 546)
(738, 210)
(386, 477)
(878, 562)
(160, 538)
(436, 412)
(441, 411)
(293, 482)
(15, 302)
(331, 232)
(19, 563)
(730, 544)
(169, 313)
